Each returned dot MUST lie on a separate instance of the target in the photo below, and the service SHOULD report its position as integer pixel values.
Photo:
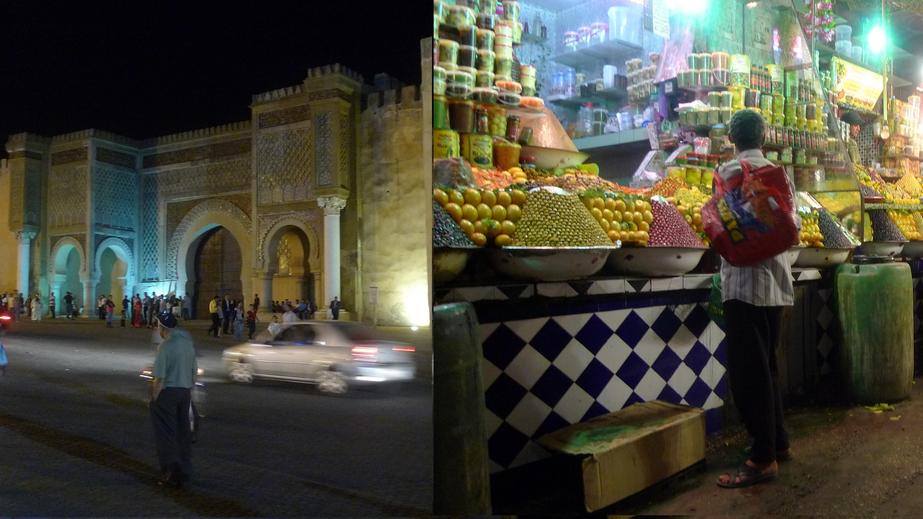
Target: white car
(331, 354)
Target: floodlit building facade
(319, 194)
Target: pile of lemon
(486, 216)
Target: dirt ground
(847, 461)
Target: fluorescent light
(751, 5)
(371, 379)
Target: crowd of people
(229, 316)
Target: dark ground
(847, 462)
(76, 438)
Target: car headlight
(200, 372)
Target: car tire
(242, 372)
(332, 382)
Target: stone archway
(201, 219)
(68, 271)
(114, 267)
(302, 278)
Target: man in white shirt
(754, 298)
(289, 316)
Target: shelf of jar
(897, 207)
(634, 136)
(601, 96)
(612, 52)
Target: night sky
(145, 68)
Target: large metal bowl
(817, 257)
(792, 255)
(550, 158)
(448, 263)
(549, 263)
(654, 261)
(913, 249)
(882, 248)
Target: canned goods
(478, 149)
(512, 128)
(446, 144)
(440, 113)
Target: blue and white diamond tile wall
(545, 373)
(826, 330)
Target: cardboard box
(627, 451)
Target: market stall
(574, 145)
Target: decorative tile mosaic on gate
(544, 373)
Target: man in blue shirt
(174, 375)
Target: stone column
(57, 281)
(266, 294)
(89, 296)
(22, 279)
(332, 206)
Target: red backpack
(751, 217)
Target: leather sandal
(747, 476)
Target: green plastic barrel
(875, 310)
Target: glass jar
(485, 39)
(503, 67)
(461, 115)
(484, 79)
(487, 21)
(527, 78)
(448, 54)
(467, 56)
(439, 81)
(460, 16)
(485, 60)
(468, 35)
(511, 10)
(459, 83)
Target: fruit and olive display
(446, 231)
(810, 234)
(551, 219)
(624, 218)
(485, 216)
(883, 227)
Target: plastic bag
(3, 358)
(751, 216)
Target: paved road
(76, 439)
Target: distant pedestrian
(17, 307)
(171, 400)
(335, 308)
(126, 308)
(51, 304)
(136, 309)
(109, 307)
(69, 305)
(186, 303)
(256, 301)
(289, 315)
(274, 325)
(36, 308)
(238, 321)
(251, 321)
(214, 306)
(227, 310)
(4, 360)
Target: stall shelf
(612, 139)
(556, 354)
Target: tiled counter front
(561, 353)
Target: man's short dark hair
(747, 130)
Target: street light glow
(877, 39)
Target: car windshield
(357, 333)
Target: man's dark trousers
(752, 338)
(170, 415)
(216, 325)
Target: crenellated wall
(394, 205)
